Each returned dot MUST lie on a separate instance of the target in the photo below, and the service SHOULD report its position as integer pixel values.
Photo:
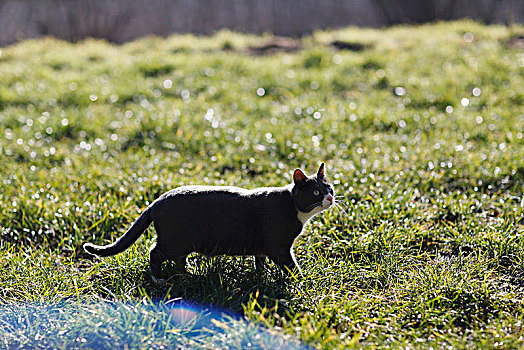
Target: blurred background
(123, 20)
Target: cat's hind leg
(156, 258)
(180, 264)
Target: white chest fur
(304, 217)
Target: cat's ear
(321, 173)
(298, 176)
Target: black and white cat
(215, 220)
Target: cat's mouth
(328, 201)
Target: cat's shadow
(221, 282)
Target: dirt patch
(351, 46)
(517, 42)
(276, 45)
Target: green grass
(421, 130)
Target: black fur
(215, 220)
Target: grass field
(421, 129)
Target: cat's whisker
(343, 203)
(340, 208)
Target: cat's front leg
(286, 261)
(260, 262)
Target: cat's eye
(316, 192)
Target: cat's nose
(330, 199)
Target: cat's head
(312, 194)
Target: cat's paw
(158, 280)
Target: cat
(216, 220)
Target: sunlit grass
(421, 129)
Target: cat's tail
(126, 240)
